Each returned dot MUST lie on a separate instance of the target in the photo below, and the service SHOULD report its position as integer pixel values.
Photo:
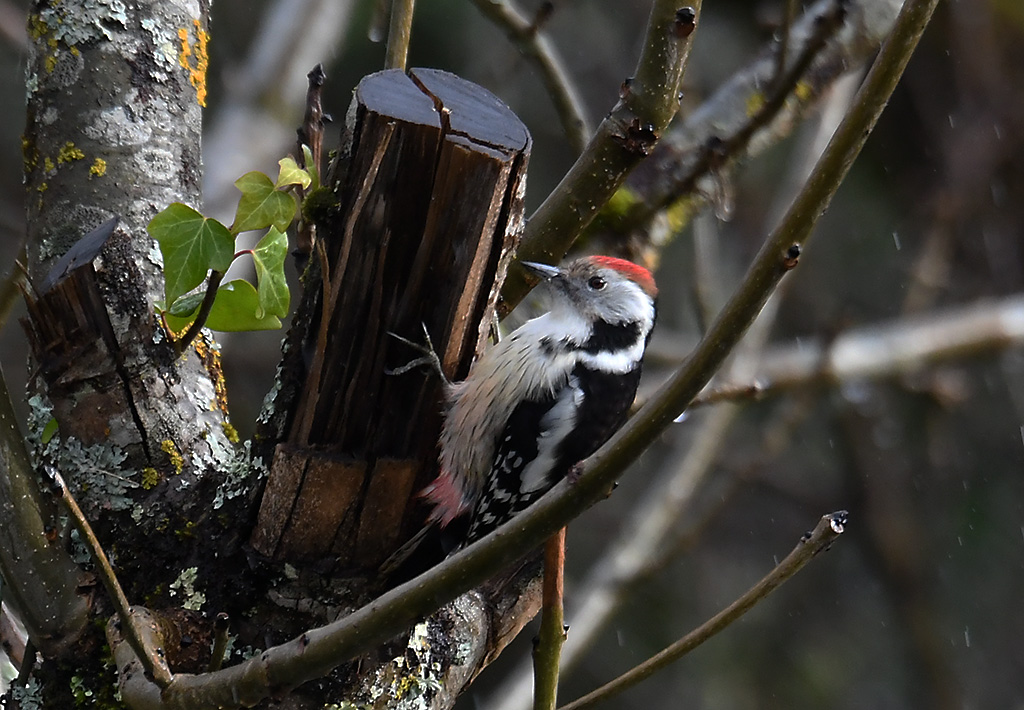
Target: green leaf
(48, 431)
(191, 245)
(234, 310)
(187, 305)
(292, 174)
(268, 257)
(311, 167)
(261, 205)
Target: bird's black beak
(544, 271)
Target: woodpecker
(545, 397)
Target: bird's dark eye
(596, 283)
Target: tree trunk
(431, 181)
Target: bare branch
(153, 661)
(883, 350)
(829, 528)
(548, 649)
(311, 138)
(212, 284)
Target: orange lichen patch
(68, 153)
(150, 477)
(173, 455)
(230, 432)
(98, 168)
(211, 361)
(36, 27)
(196, 71)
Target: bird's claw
(429, 358)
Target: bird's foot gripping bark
(429, 358)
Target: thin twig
(212, 284)
(728, 393)
(725, 112)
(538, 49)
(829, 528)
(548, 650)
(399, 34)
(152, 659)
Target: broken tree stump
(431, 182)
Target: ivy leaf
(261, 205)
(268, 257)
(234, 310)
(292, 174)
(191, 245)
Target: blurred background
(921, 603)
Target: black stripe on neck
(610, 337)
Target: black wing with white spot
(528, 458)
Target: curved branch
(212, 284)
